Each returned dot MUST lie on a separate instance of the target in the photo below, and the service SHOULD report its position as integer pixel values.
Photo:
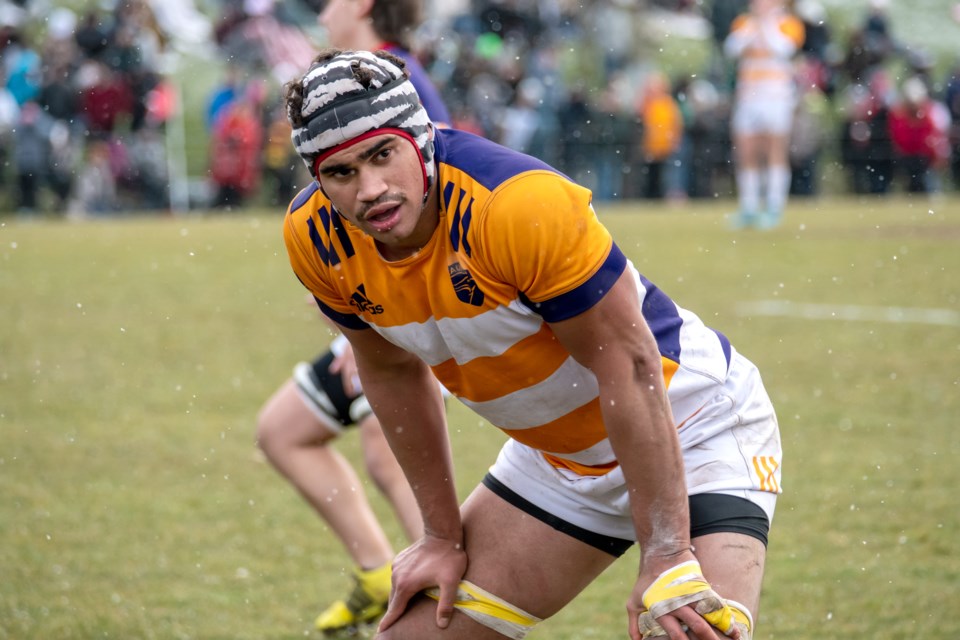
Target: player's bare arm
(613, 340)
(408, 403)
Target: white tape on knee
(490, 611)
(317, 401)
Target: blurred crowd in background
(91, 103)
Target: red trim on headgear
(366, 136)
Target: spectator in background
(809, 132)
(662, 131)
(31, 155)
(763, 41)
(708, 135)
(817, 48)
(865, 146)
(870, 46)
(21, 67)
(576, 145)
(520, 120)
(279, 164)
(235, 147)
(223, 95)
(106, 102)
(9, 115)
(952, 101)
(919, 130)
(96, 189)
(299, 424)
(610, 130)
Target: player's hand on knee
(679, 601)
(429, 562)
(346, 365)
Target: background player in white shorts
(763, 42)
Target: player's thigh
(733, 564)
(287, 420)
(517, 558)
(524, 560)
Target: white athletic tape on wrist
(684, 585)
(490, 611)
(650, 628)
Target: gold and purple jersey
(518, 246)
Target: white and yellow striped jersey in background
(518, 245)
(765, 48)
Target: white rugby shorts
(763, 116)
(732, 446)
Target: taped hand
(684, 585)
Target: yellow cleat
(365, 604)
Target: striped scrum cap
(353, 95)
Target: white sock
(778, 187)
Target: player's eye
(338, 173)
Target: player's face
(377, 184)
(340, 19)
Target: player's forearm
(641, 430)
(408, 404)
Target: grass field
(134, 354)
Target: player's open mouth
(384, 220)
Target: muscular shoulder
(518, 220)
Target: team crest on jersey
(363, 304)
(464, 285)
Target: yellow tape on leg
(490, 611)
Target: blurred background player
(763, 41)
(298, 424)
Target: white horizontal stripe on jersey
(488, 334)
(569, 387)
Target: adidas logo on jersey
(363, 304)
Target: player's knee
(269, 432)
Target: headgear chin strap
(358, 93)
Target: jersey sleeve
(540, 233)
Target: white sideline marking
(812, 311)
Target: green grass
(134, 354)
